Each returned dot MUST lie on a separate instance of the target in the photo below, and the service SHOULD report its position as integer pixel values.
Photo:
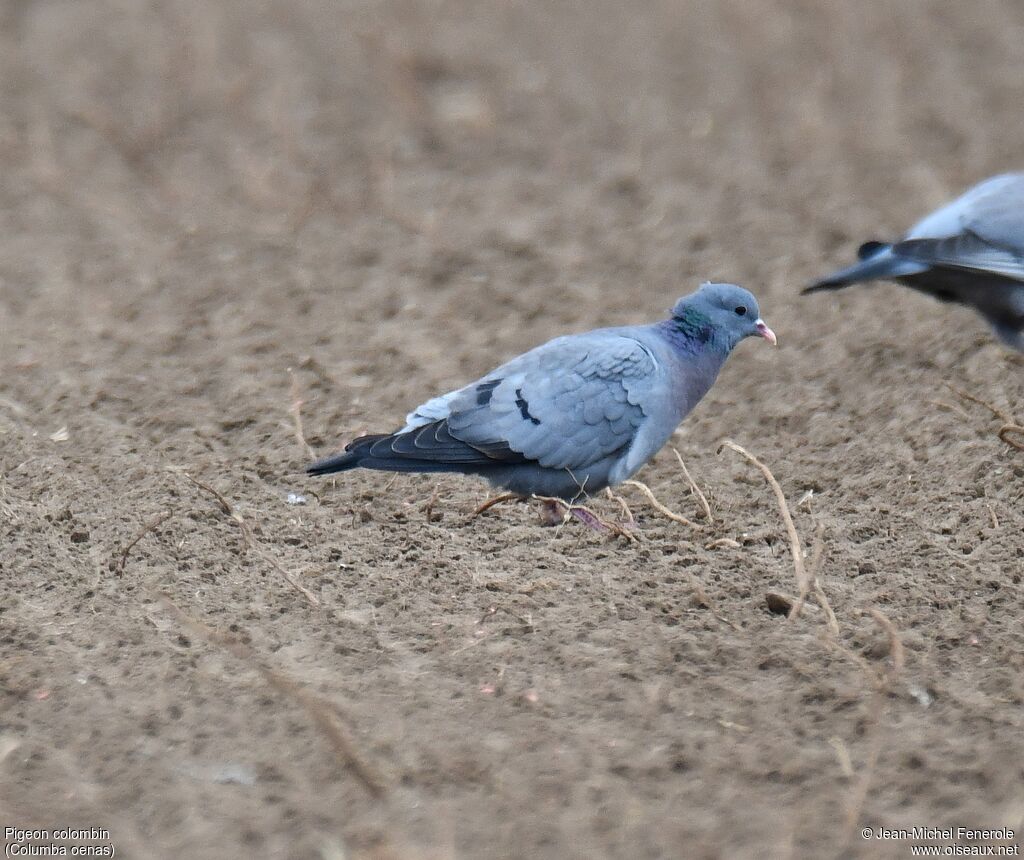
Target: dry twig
(895, 643)
(993, 517)
(1015, 429)
(323, 713)
(732, 543)
(660, 508)
(1011, 427)
(843, 755)
(817, 552)
(1005, 417)
(804, 581)
(860, 793)
(428, 508)
(882, 684)
(250, 541)
(952, 407)
(702, 599)
(694, 488)
(296, 412)
(623, 505)
(794, 538)
(146, 529)
(225, 506)
(487, 504)
(833, 622)
(294, 583)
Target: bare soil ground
(210, 212)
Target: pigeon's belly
(996, 297)
(535, 480)
(685, 383)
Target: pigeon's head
(725, 311)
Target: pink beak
(765, 332)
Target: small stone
(778, 604)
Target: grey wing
(566, 405)
(981, 231)
(435, 409)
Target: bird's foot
(555, 512)
(590, 519)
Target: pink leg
(588, 518)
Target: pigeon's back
(993, 210)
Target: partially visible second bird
(578, 413)
(970, 252)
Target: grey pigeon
(970, 251)
(574, 415)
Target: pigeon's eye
(741, 311)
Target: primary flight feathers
(970, 251)
(576, 414)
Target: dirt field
(212, 211)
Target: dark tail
(430, 448)
(877, 261)
(338, 462)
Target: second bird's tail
(877, 261)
